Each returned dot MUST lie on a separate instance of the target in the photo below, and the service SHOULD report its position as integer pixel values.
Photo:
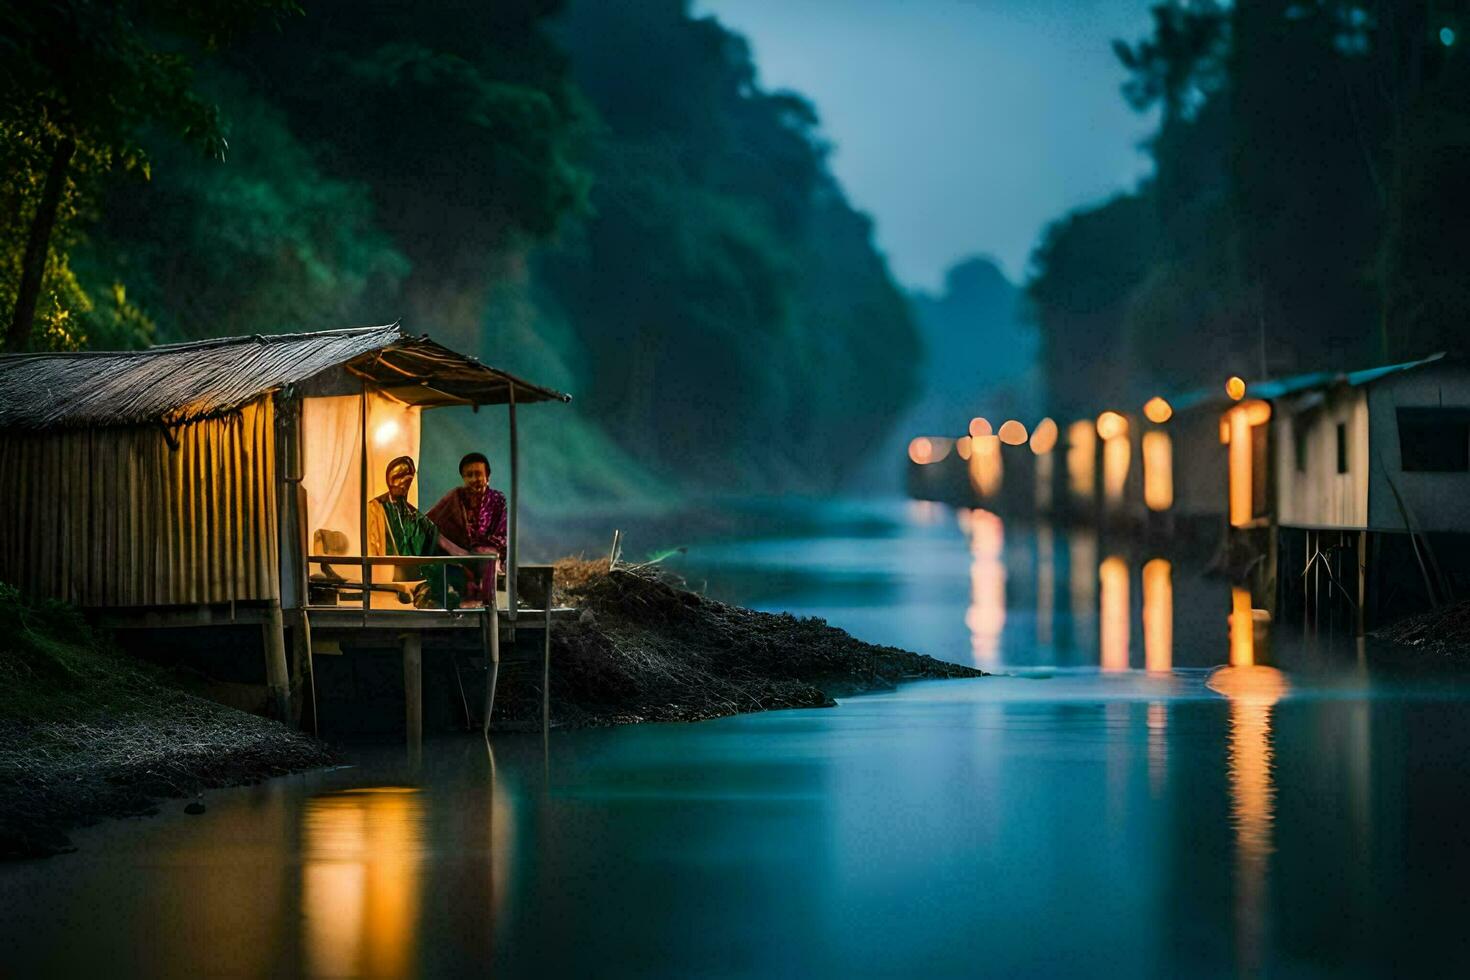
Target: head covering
(388, 473)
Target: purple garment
(472, 524)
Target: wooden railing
(361, 588)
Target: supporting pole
(301, 641)
(512, 559)
(362, 509)
(546, 665)
(491, 642)
(277, 681)
(413, 692)
(1362, 583)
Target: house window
(1342, 447)
(1434, 440)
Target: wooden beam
(362, 547)
(491, 640)
(512, 558)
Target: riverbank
(647, 649)
(87, 733)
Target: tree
(81, 81)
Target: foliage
(1298, 216)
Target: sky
(962, 126)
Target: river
(1111, 803)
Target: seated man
(471, 521)
(395, 527)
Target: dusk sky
(961, 126)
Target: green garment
(409, 532)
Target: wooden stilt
(277, 680)
(491, 642)
(413, 691)
(513, 538)
(546, 666)
(301, 654)
(1361, 614)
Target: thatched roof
(179, 383)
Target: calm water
(1112, 805)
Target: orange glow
(980, 427)
(1242, 629)
(1239, 456)
(929, 449)
(1044, 437)
(1157, 411)
(1158, 471)
(1257, 412)
(1012, 433)
(1158, 615)
(1116, 455)
(1112, 577)
(986, 615)
(962, 447)
(1235, 388)
(362, 858)
(1110, 425)
(986, 471)
(1082, 459)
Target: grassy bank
(647, 649)
(1439, 637)
(87, 733)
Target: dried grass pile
(87, 732)
(647, 649)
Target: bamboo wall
(118, 517)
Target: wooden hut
(1372, 486)
(211, 482)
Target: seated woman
(395, 527)
(471, 521)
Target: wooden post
(362, 545)
(491, 643)
(1361, 618)
(546, 665)
(413, 691)
(512, 560)
(278, 685)
(301, 637)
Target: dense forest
(599, 196)
(1306, 211)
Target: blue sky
(961, 126)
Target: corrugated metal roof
(1273, 388)
(178, 383)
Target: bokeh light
(1044, 437)
(1158, 411)
(1235, 388)
(1110, 425)
(1012, 433)
(980, 427)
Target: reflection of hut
(1372, 473)
(190, 484)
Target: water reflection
(362, 857)
(1112, 576)
(1253, 690)
(1158, 616)
(985, 617)
(1046, 584)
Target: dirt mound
(649, 650)
(1442, 633)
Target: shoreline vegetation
(88, 733)
(1437, 637)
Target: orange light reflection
(1113, 624)
(986, 615)
(1158, 616)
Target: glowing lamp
(929, 449)
(1012, 433)
(1235, 388)
(386, 432)
(1110, 425)
(980, 427)
(963, 446)
(1157, 411)
(1044, 437)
